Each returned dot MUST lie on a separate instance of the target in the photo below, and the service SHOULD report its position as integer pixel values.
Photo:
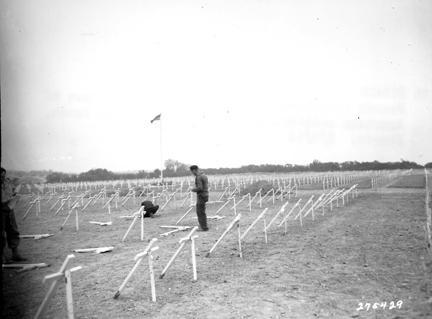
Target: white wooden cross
(138, 259)
(174, 229)
(254, 223)
(37, 203)
(97, 250)
(222, 207)
(36, 236)
(257, 194)
(54, 280)
(285, 218)
(24, 267)
(167, 201)
(138, 214)
(300, 213)
(234, 222)
(183, 241)
(62, 205)
(281, 210)
(73, 209)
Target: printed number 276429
(379, 305)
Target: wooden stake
(254, 223)
(142, 224)
(109, 212)
(230, 226)
(220, 208)
(69, 297)
(123, 285)
(239, 240)
(194, 267)
(152, 280)
(185, 214)
(76, 220)
(130, 227)
(281, 210)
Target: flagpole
(161, 153)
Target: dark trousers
(200, 211)
(150, 211)
(9, 228)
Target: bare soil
(372, 250)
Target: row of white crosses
(170, 184)
(324, 200)
(337, 181)
(34, 203)
(130, 195)
(217, 182)
(189, 239)
(381, 178)
(140, 215)
(72, 207)
(93, 199)
(237, 182)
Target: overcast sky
(237, 82)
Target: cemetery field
(409, 181)
(371, 250)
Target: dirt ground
(370, 251)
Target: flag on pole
(157, 118)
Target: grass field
(409, 181)
(371, 250)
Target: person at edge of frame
(9, 228)
(201, 188)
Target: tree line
(175, 168)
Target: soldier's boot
(16, 256)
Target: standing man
(201, 188)
(8, 223)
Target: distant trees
(57, 177)
(428, 165)
(98, 174)
(175, 168)
(317, 166)
(29, 177)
